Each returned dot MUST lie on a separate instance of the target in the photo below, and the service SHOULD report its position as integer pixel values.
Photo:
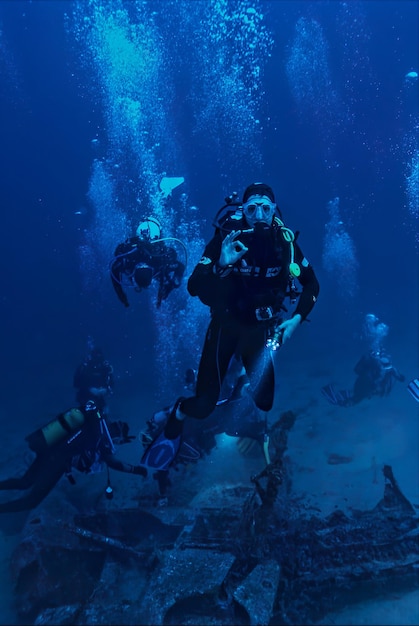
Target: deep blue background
(47, 122)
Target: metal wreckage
(248, 554)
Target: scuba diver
(94, 379)
(246, 272)
(79, 439)
(375, 373)
(144, 258)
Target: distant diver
(375, 372)
(144, 258)
(80, 439)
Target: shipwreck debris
(241, 554)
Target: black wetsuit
(90, 445)
(140, 262)
(245, 301)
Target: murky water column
(311, 84)
(339, 255)
(412, 191)
(109, 225)
(182, 320)
(123, 51)
(319, 103)
(11, 82)
(410, 159)
(227, 44)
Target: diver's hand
(288, 327)
(232, 250)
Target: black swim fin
(161, 452)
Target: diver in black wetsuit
(243, 277)
(78, 439)
(144, 258)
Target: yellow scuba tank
(59, 429)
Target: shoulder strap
(289, 237)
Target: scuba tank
(56, 431)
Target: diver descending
(375, 373)
(244, 276)
(144, 258)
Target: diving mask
(259, 209)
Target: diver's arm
(118, 465)
(309, 283)
(206, 281)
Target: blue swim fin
(413, 388)
(161, 452)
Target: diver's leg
(49, 472)
(25, 481)
(220, 345)
(218, 350)
(363, 389)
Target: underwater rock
(265, 577)
(183, 577)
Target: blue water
(101, 99)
